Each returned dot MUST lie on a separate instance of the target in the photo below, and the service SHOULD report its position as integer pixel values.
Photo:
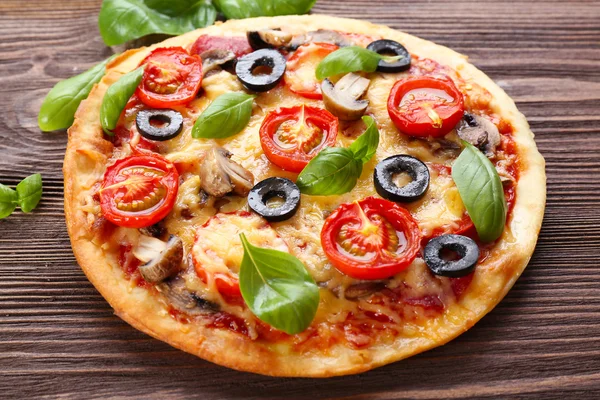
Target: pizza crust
(87, 154)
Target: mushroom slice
(215, 58)
(342, 99)
(220, 175)
(363, 289)
(269, 39)
(162, 259)
(480, 132)
(320, 36)
(184, 300)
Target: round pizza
(301, 195)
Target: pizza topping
(117, 98)
(159, 125)
(275, 199)
(370, 239)
(401, 178)
(425, 106)
(348, 59)
(184, 300)
(300, 75)
(321, 36)
(221, 175)
(226, 116)
(138, 191)
(261, 70)
(400, 57)
(480, 132)
(269, 39)
(451, 255)
(162, 259)
(171, 77)
(215, 59)
(342, 99)
(238, 45)
(363, 289)
(291, 137)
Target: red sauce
(223, 320)
(129, 264)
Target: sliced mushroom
(216, 58)
(363, 289)
(480, 132)
(156, 230)
(342, 99)
(269, 39)
(162, 259)
(220, 175)
(184, 300)
(320, 36)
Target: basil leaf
(226, 116)
(481, 191)
(116, 98)
(334, 170)
(365, 146)
(8, 201)
(277, 288)
(29, 192)
(124, 20)
(59, 106)
(348, 59)
(239, 9)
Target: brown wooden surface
(59, 337)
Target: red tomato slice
(238, 45)
(371, 239)
(300, 73)
(171, 77)
(291, 137)
(139, 191)
(425, 106)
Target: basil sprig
(27, 196)
(348, 59)
(335, 170)
(480, 189)
(238, 9)
(116, 98)
(277, 288)
(124, 20)
(59, 106)
(226, 116)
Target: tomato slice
(371, 239)
(425, 106)
(139, 191)
(291, 137)
(171, 77)
(238, 45)
(300, 73)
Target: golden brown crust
(85, 161)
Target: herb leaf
(348, 59)
(334, 170)
(238, 9)
(124, 20)
(226, 116)
(59, 106)
(29, 192)
(116, 98)
(8, 201)
(277, 288)
(481, 191)
(365, 146)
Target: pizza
(271, 199)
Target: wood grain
(58, 337)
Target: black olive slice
(261, 70)
(394, 49)
(272, 188)
(269, 39)
(464, 247)
(171, 124)
(386, 170)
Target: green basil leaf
(124, 20)
(277, 288)
(226, 116)
(29, 192)
(348, 59)
(365, 146)
(334, 170)
(239, 9)
(116, 98)
(8, 201)
(481, 191)
(59, 106)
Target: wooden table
(59, 337)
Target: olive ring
(172, 119)
(270, 188)
(392, 48)
(465, 247)
(271, 60)
(383, 177)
